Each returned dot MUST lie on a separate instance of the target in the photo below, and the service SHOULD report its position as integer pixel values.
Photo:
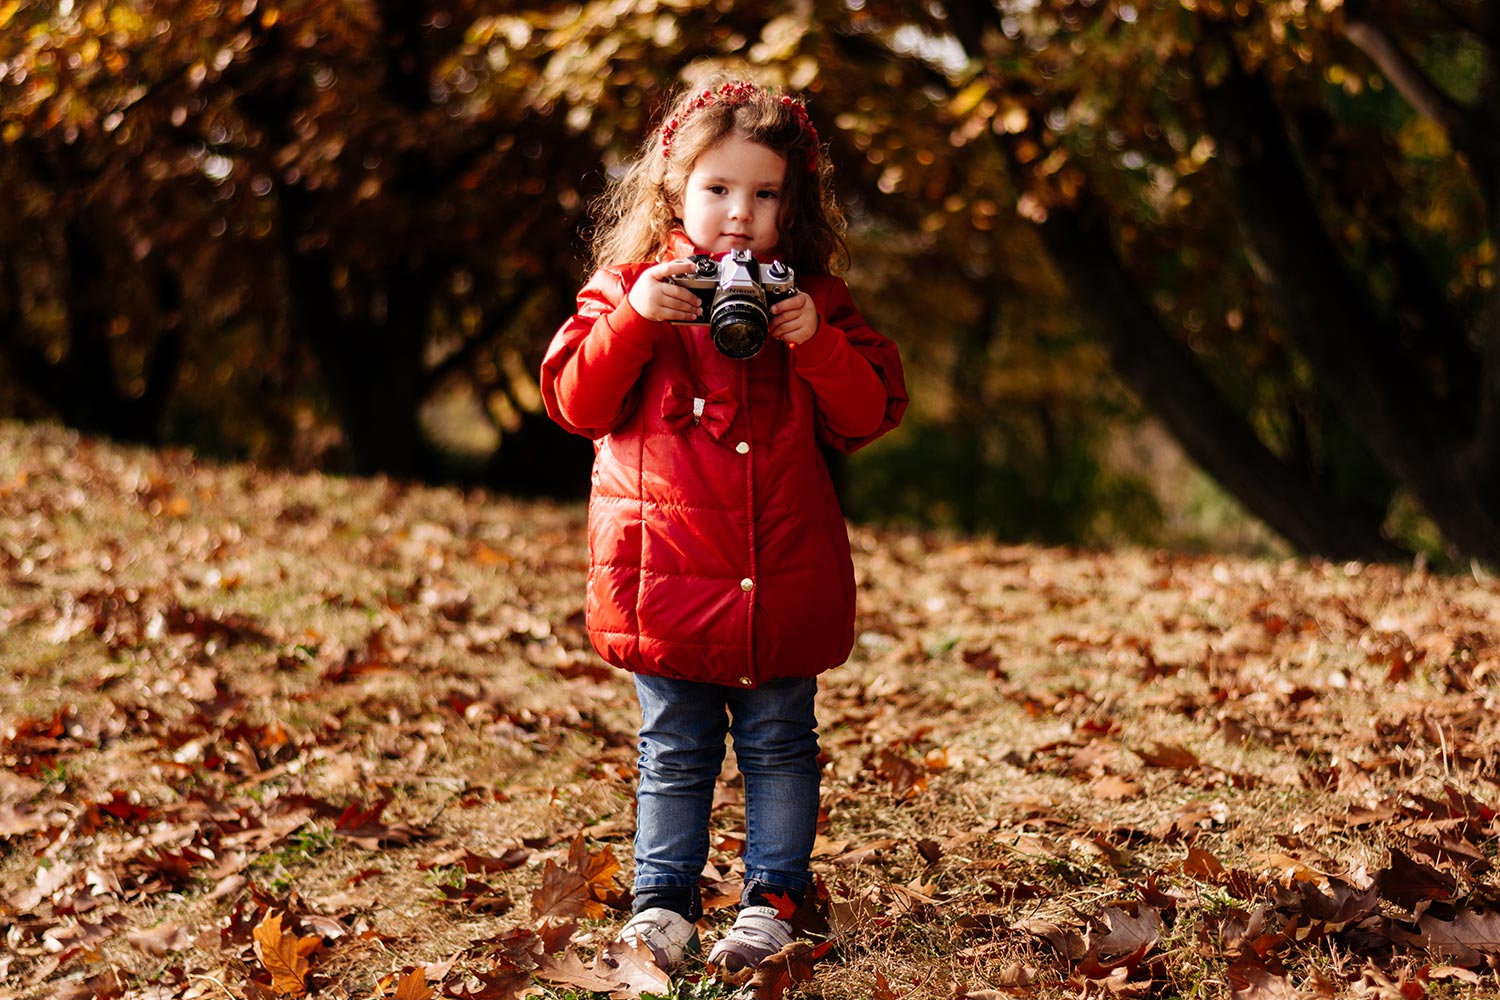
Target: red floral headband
(733, 94)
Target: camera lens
(739, 327)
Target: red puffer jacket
(717, 549)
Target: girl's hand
(656, 298)
(794, 320)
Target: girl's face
(733, 197)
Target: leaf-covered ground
(266, 735)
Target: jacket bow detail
(715, 412)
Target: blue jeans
(683, 725)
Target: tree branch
(497, 317)
(1358, 179)
(1463, 124)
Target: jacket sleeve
(855, 374)
(591, 373)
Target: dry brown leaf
(83, 934)
(867, 852)
(413, 986)
(907, 778)
(1115, 787)
(161, 939)
(362, 825)
(501, 983)
(284, 955)
(104, 986)
(634, 966)
(1408, 882)
(1248, 980)
(1169, 755)
(581, 889)
(789, 966)
(1202, 865)
(1466, 939)
(1131, 936)
(478, 896)
(568, 969)
(1066, 941)
(1286, 869)
(1130, 929)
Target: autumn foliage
(342, 235)
(267, 735)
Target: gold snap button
(743, 448)
(745, 680)
(747, 583)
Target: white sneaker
(670, 936)
(757, 934)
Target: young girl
(720, 572)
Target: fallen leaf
(363, 826)
(1066, 941)
(1115, 788)
(284, 955)
(1203, 866)
(1169, 755)
(1465, 939)
(83, 934)
(1452, 972)
(580, 889)
(1017, 976)
(568, 969)
(161, 939)
(1130, 936)
(789, 966)
(480, 864)
(478, 896)
(104, 986)
(1249, 980)
(906, 777)
(866, 852)
(1342, 903)
(413, 986)
(634, 966)
(1408, 882)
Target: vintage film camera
(737, 293)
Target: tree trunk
(83, 389)
(372, 361)
(1173, 386)
(370, 358)
(540, 459)
(1356, 354)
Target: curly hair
(634, 216)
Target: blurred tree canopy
(342, 231)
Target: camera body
(737, 293)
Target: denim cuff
(683, 900)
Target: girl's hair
(634, 216)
